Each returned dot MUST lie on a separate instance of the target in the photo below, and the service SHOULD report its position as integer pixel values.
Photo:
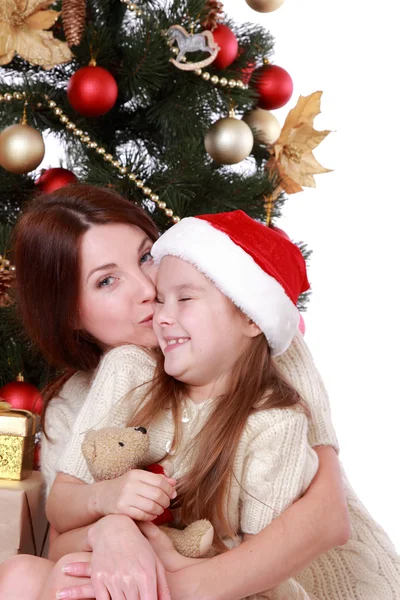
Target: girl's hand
(164, 548)
(138, 494)
(124, 565)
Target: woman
(92, 294)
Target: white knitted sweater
(274, 464)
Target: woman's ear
(252, 329)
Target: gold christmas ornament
(229, 140)
(265, 125)
(21, 148)
(22, 31)
(73, 18)
(264, 6)
(292, 153)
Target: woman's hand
(138, 494)
(124, 565)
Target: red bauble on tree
(22, 395)
(53, 179)
(92, 91)
(228, 44)
(274, 85)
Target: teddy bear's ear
(88, 446)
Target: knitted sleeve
(298, 368)
(278, 468)
(60, 416)
(111, 400)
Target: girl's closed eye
(147, 257)
(108, 281)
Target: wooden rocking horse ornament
(192, 42)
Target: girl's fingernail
(174, 494)
(62, 594)
(67, 569)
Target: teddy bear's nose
(141, 429)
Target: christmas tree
(167, 102)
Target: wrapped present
(23, 523)
(17, 442)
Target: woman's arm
(311, 526)
(138, 494)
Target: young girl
(90, 295)
(234, 430)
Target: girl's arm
(138, 494)
(311, 526)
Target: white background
(350, 220)
(347, 49)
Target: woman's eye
(146, 258)
(107, 281)
(158, 301)
(184, 299)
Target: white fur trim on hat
(236, 274)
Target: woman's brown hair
(46, 254)
(255, 385)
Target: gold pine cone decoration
(215, 11)
(74, 19)
(7, 281)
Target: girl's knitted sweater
(274, 464)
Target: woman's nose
(146, 290)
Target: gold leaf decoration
(292, 153)
(22, 31)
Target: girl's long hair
(46, 250)
(255, 385)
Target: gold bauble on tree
(265, 125)
(229, 140)
(264, 6)
(21, 148)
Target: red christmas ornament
(274, 85)
(53, 179)
(302, 325)
(92, 91)
(281, 232)
(22, 395)
(247, 71)
(226, 40)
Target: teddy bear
(113, 451)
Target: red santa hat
(259, 270)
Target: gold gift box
(17, 442)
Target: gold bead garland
(222, 81)
(85, 139)
(5, 264)
(133, 7)
(214, 79)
